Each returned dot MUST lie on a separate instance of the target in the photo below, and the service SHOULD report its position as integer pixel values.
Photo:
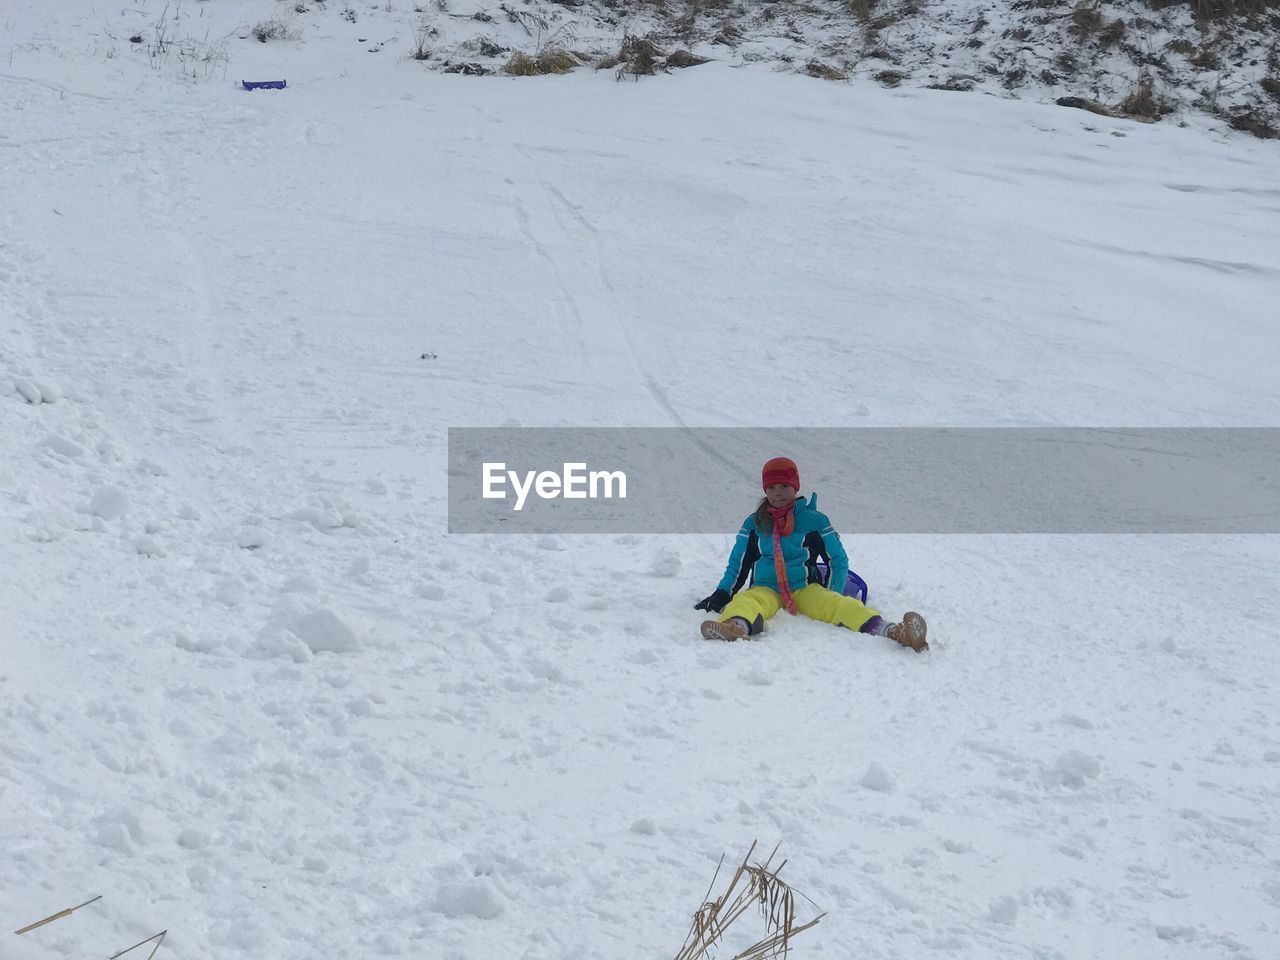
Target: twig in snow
(158, 938)
(61, 913)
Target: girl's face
(780, 494)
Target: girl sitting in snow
(779, 546)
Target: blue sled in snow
(854, 585)
(263, 84)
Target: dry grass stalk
(157, 937)
(1144, 104)
(751, 884)
(557, 61)
(421, 44)
(271, 30)
(683, 58)
(521, 65)
(57, 916)
(547, 60)
(823, 71)
(639, 57)
(1086, 20)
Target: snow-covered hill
(253, 693)
(1139, 58)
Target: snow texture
(259, 697)
(323, 631)
(877, 778)
(109, 501)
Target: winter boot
(910, 632)
(735, 628)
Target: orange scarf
(784, 523)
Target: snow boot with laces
(735, 628)
(911, 632)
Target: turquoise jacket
(813, 539)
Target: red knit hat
(780, 470)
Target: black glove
(715, 603)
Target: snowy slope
(1179, 60)
(253, 693)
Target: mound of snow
(27, 390)
(1073, 768)
(665, 563)
(429, 591)
(476, 898)
(1003, 910)
(877, 778)
(50, 392)
(109, 502)
(63, 446)
(322, 630)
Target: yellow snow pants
(814, 601)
